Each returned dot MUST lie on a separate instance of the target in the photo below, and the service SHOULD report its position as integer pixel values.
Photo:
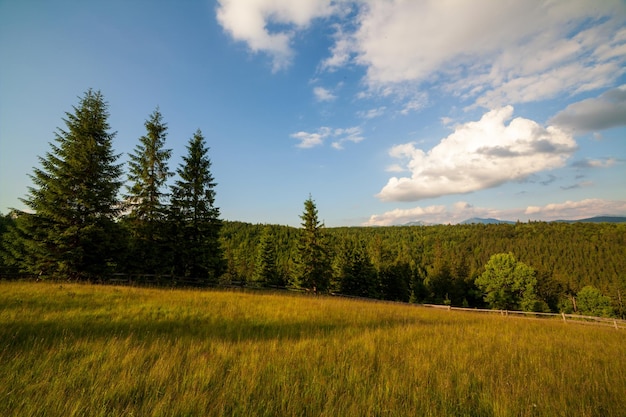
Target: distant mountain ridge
(478, 220)
(597, 219)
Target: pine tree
(195, 217)
(148, 173)
(266, 266)
(71, 231)
(356, 274)
(313, 268)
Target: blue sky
(385, 112)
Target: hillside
(84, 350)
(410, 259)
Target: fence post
(615, 324)
(563, 314)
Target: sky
(385, 112)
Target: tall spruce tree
(71, 232)
(266, 266)
(355, 273)
(148, 173)
(195, 218)
(313, 267)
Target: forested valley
(439, 264)
(169, 232)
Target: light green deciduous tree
(591, 302)
(508, 284)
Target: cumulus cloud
(323, 94)
(250, 21)
(577, 209)
(493, 52)
(339, 137)
(404, 216)
(593, 114)
(460, 211)
(310, 140)
(478, 155)
(440, 214)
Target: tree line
(89, 221)
(536, 266)
(78, 227)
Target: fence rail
(577, 318)
(566, 318)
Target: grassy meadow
(80, 350)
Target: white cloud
(403, 216)
(497, 52)
(593, 114)
(341, 52)
(352, 134)
(440, 214)
(577, 209)
(310, 140)
(460, 211)
(339, 136)
(250, 20)
(478, 155)
(323, 94)
(493, 52)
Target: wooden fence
(566, 318)
(577, 318)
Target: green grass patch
(80, 350)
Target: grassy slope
(76, 350)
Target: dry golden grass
(79, 350)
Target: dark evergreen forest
(439, 264)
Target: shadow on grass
(27, 333)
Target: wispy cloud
(372, 113)
(352, 134)
(478, 155)
(339, 137)
(595, 163)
